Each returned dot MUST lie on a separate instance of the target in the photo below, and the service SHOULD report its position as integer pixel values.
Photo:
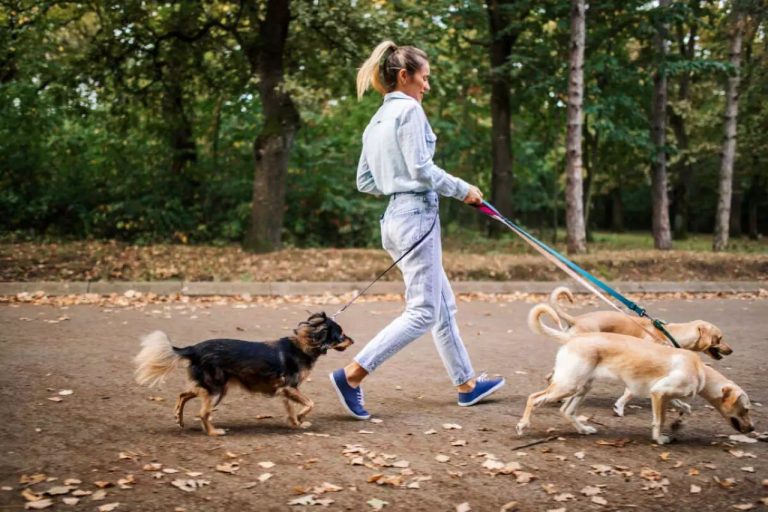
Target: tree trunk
(574, 206)
(617, 211)
(272, 147)
(591, 143)
(684, 169)
(753, 199)
(722, 217)
(502, 40)
(662, 238)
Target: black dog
(269, 367)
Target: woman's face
(414, 85)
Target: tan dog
(698, 335)
(646, 369)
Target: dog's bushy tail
(536, 325)
(554, 301)
(156, 359)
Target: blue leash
(492, 212)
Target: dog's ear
(730, 395)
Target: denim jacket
(398, 146)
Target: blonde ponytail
(368, 74)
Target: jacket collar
(397, 95)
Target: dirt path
(109, 428)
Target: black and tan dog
(270, 367)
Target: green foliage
(136, 120)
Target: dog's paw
(618, 410)
(520, 428)
(587, 430)
(217, 432)
(663, 439)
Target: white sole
(491, 390)
(344, 402)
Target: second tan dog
(646, 369)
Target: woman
(396, 161)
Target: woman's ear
(402, 77)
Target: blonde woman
(396, 161)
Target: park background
(140, 132)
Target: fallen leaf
(59, 489)
(430, 432)
(194, 474)
(442, 458)
(99, 495)
(72, 481)
(152, 466)
(189, 485)
(695, 489)
(326, 487)
(377, 504)
(80, 492)
(109, 507)
(459, 442)
(564, 497)
(741, 438)
(451, 426)
(728, 483)
(591, 490)
(492, 464)
(376, 420)
(55, 399)
(66, 392)
(365, 432)
(618, 443)
(228, 467)
(744, 506)
(741, 454)
(264, 477)
(30, 495)
(266, 464)
(307, 499)
(599, 500)
(39, 504)
(524, 477)
(693, 472)
(748, 469)
(463, 507)
(401, 464)
(170, 471)
(579, 455)
(549, 488)
(32, 479)
(509, 506)
(71, 501)
(103, 484)
(664, 456)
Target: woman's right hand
(474, 196)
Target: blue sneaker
(351, 398)
(484, 386)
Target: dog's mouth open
(715, 353)
(346, 341)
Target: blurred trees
(149, 121)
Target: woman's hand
(474, 196)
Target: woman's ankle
(467, 386)
(355, 374)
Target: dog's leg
(682, 407)
(551, 394)
(568, 410)
(205, 413)
(295, 395)
(292, 419)
(659, 411)
(618, 407)
(180, 402)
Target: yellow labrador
(646, 369)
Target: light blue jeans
(430, 303)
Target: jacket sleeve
(411, 135)
(365, 181)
